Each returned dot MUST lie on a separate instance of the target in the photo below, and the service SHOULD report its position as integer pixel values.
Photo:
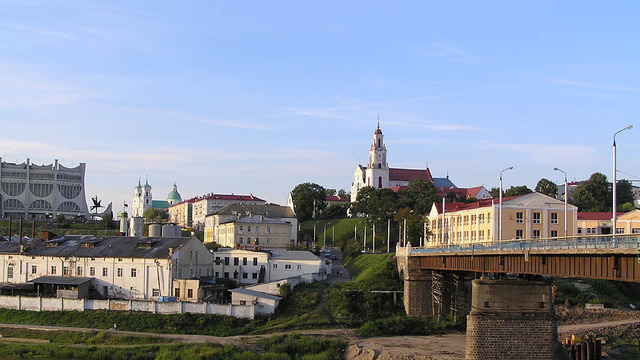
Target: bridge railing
(620, 241)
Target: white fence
(31, 303)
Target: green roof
(160, 204)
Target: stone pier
(510, 320)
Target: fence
(31, 303)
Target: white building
(28, 190)
(254, 267)
(378, 174)
(118, 267)
(143, 199)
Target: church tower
(142, 199)
(377, 172)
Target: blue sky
(257, 97)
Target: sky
(255, 97)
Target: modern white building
(117, 267)
(253, 267)
(40, 191)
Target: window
(190, 293)
(287, 267)
(257, 230)
(34, 269)
(518, 234)
(134, 272)
(536, 218)
(299, 267)
(248, 229)
(254, 275)
(92, 271)
(554, 233)
(119, 272)
(240, 240)
(155, 292)
(554, 218)
(226, 261)
(268, 240)
(10, 272)
(536, 234)
(268, 230)
(244, 261)
(579, 230)
(176, 292)
(619, 230)
(245, 275)
(105, 272)
(519, 217)
(275, 266)
(635, 231)
(236, 261)
(240, 229)
(79, 271)
(255, 261)
(65, 270)
(226, 274)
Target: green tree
(330, 192)
(545, 186)
(415, 223)
(343, 193)
(495, 192)
(376, 203)
(624, 192)
(62, 221)
(107, 221)
(308, 198)
(335, 211)
(518, 190)
(593, 195)
(419, 195)
(157, 215)
(626, 207)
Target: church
(143, 199)
(379, 175)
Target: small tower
(377, 173)
(174, 196)
(142, 198)
(124, 222)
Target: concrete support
(511, 319)
(417, 295)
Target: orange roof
(333, 198)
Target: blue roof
(443, 183)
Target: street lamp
(566, 195)
(615, 200)
(500, 204)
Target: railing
(620, 241)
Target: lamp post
(500, 204)
(566, 195)
(615, 199)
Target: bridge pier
(450, 293)
(511, 319)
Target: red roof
(397, 189)
(221, 197)
(596, 215)
(333, 198)
(410, 174)
(456, 206)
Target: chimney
(170, 251)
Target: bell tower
(378, 169)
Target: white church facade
(143, 199)
(378, 174)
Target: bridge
(504, 289)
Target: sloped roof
(258, 294)
(410, 174)
(334, 198)
(602, 216)
(62, 280)
(443, 183)
(281, 254)
(272, 211)
(457, 206)
(101, 246)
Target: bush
(402, 325)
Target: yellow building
(600, 223)
(629, 223)
(531, 216)
(255, 230)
